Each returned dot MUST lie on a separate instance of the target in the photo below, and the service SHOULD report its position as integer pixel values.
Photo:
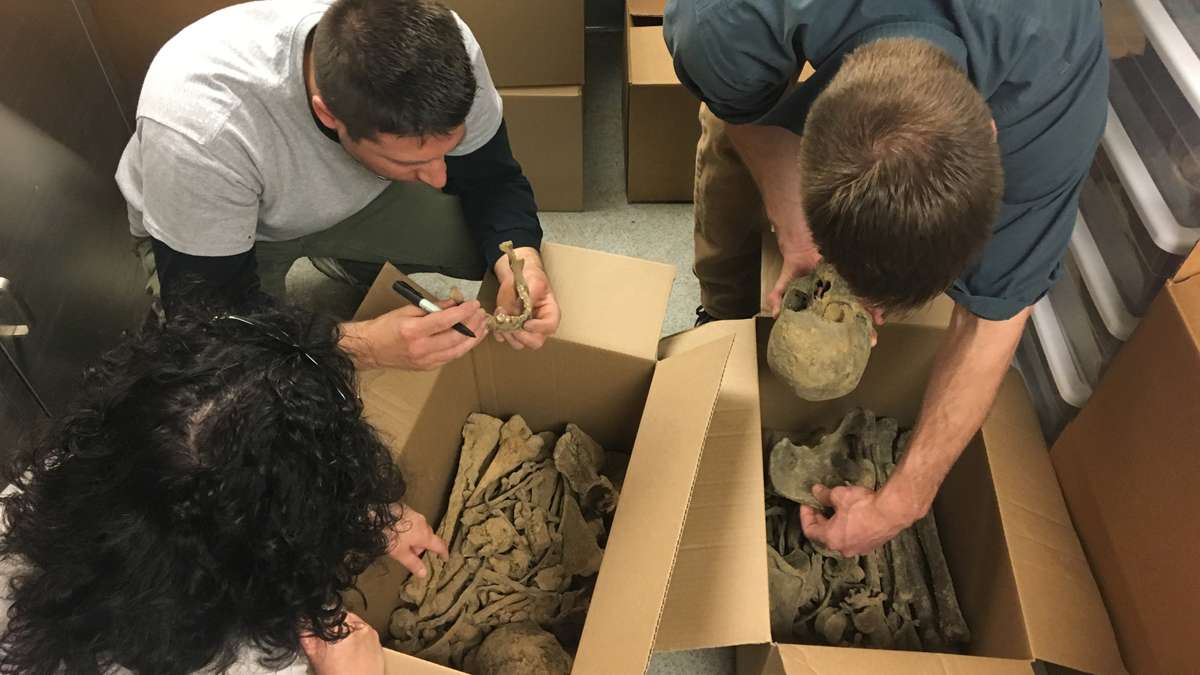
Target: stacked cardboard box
(661, 117)
(534, 50)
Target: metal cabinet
(64, 242)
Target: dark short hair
(901, 172)
(215, 488)
(393, 67)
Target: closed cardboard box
(1128, 465)
(605, 376)
(528, 43)
(545, 128)
(662, 123)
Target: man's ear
(322, 112)
(994, 132)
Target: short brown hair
(901, 172)
(394, 67)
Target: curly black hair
(215, 488)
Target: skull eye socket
(796, 301)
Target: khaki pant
(415, 227)
(730, 222)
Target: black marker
(410, 294)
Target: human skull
(522, 649)
(822, 340)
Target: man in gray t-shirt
(938, 146)
(363, 130)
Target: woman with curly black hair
(203, 508)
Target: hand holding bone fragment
(411, 537)
(523, 280)
(408, 338)
(359, 653)
(860, 524)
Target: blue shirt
(1041, 66)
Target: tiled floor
(661, 232)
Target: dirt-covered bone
(899, 596)
(521, 649)
(523, 549)
(501, 321)
(794, 469)
(580, 459)
(821, 341)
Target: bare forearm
(355, 341)
(772, 154)
(971, 364)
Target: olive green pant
(729, 224)
(415, 227)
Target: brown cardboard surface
(1122, 29)
(979, 561)
(609, 301)
(1190, 268)
(395, 663)
(527, 43)
(605, 388)
(662, 123)
(545, 129)
(1064, 616)
(649, 61)
(707, 605)
(810, 660)
(647, 8)
(1128, 466)
(631, 589)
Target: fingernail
(422, 573)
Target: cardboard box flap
(650, 63)
(812, 660)
(395, 663)
(609, 301)
(631, 588)
(380, 298)
(1128, 466)
(707, 606)
(1065, 618)
(1190, 267)
(647, 7)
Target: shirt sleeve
(737, 57)
(214, 283)
(1023, 257)
(487, 110)
(497, 200)
(198, 199)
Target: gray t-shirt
(226, 150)
(1041, 67)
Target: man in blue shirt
(939, 146)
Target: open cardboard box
(1021, 575)
(601, 371)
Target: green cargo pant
(415, 227)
